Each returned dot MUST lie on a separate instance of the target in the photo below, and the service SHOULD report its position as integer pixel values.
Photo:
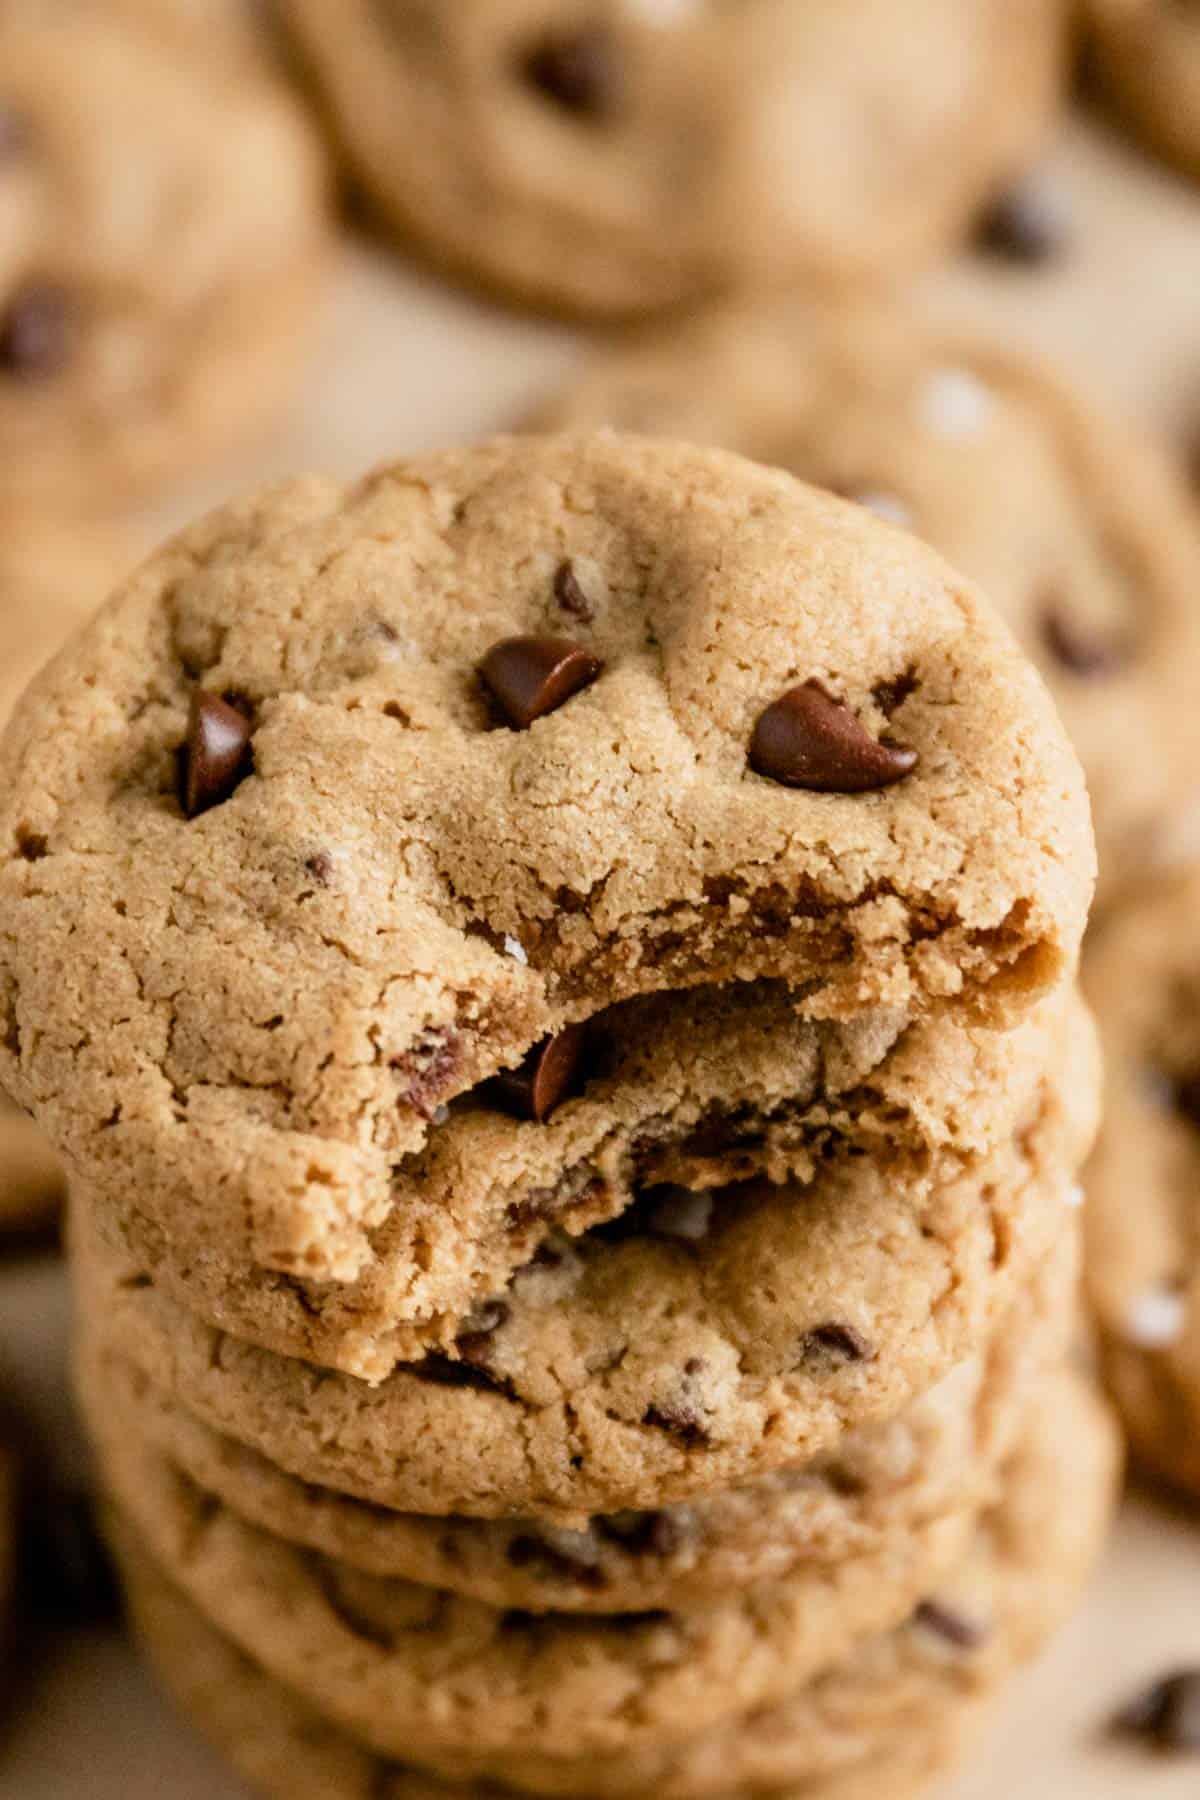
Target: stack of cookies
(552, 969)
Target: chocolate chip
(69, 1575)
(429, 1067)
(1166, 1714)
(550, 1074)
(807, 739)
(579, 71)
(35, 333)
(532, 676)
(1030, 223)
(681, 1415)
(950, 1626)
(1079, 651)
(320, 867)
(570, 595)
(572, 1556)
(216, 752)
(650, 1533)
(841, 1343)
(473, 1342)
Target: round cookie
(610, 157)
(399, 1664)
(162, 239)
(631, 1373)
(385, 884)
(1146, 56)
(880, 1485)
(896, 1711)
(1142, 1222)
(1082, 535)
(684, 1093)
(51, 578)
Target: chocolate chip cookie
(162, 240)
(51, 578)
(938, 1458)
(897, 1710)
(357, 798)
(1081, 534)
(628, 1369)
(399, 1664)
(610, 157)
(1146, 55)
(659, 1100)
(1143, 1217)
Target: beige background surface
(407, 365)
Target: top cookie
(1146, 54)
(1082, 535)
(616, 156)
(390, 887)
(162, 232)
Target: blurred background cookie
(162, 240)
(611, 157)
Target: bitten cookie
(355, 797)
(899, 1709)
(614, 156)
(1146, 55)
(1143, 1183)
(630, 1371)
(1082, 535)
(162, 238)
(669, 1098)
(939, 1457)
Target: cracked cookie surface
(162, 239)
(388, 892)
(900, 1707)
(937, 1458)
(1142, 1220)
(626, 1370)
(1081, 534)
(616, 156)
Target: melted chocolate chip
(531, 676)
(474, 1341)
(579, 71)
(839, 1343)
(681, 1415)
(35, 333)
(1030, 223)
(566, 1556)
(429, 1068)
(807, 739)
(216, 752)
(550, 1074)
(1166, 1714)
(1076, 649)
(950, 1626)
(570, 595)
(650, 1533)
